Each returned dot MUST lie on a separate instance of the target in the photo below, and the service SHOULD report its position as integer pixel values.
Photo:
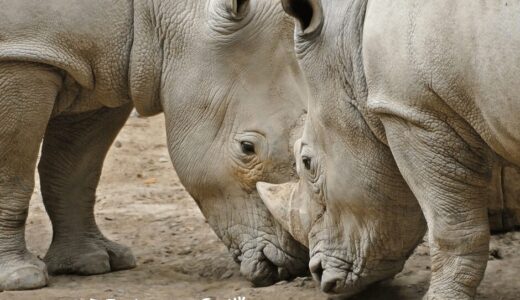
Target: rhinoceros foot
(24, 273)
(88, 257)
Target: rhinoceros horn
(286, 208)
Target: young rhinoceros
(223, 71)
(412, 102)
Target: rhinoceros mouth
(263, 267)
(258, 269)
(338, 276)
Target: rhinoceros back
(88, 40)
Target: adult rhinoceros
(433, 84)
(223, 71)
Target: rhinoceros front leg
(27, 96)
(449, 169)
(73, 153)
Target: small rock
(226, 275)
(303, 282)
(148, 260)
(149, 181)
(109, 219)
(135, 114)
(118, 144)
(185, 251)
(495, 253)
(163, 160)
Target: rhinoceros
(225, 74)
(413, 108)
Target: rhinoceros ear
(309, 14)
(239, 7)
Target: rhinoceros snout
(316, 268)
(259, 270)
(333, 280)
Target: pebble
(495, 253)
(226, 275)
(185, 251)
(148, 260)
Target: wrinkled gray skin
(423, 89)
(223, 71)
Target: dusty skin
(141, 203)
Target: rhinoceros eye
(307, 162)
(248, 148)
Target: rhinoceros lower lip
(340, 278)
(346, 279)
(258, 268)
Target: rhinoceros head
(350, 206)
(225, 74)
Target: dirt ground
(142, 204)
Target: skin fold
(224, 73)
(412, 123)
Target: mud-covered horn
(280, 200)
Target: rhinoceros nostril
(332, 282)
(316, 269)
(237, 255)
(328, 286)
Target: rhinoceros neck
(354, 80)
(157, 25)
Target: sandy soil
(142, 204)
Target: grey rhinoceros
(223, 71)
(414, 106)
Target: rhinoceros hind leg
(73, 153)
(27, 96)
